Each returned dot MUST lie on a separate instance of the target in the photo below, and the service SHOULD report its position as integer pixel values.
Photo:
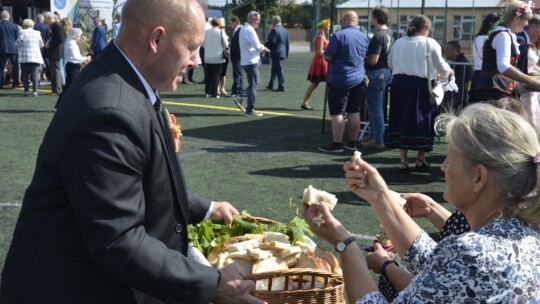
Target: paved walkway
(299, 47)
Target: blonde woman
(215, 41)
(501, 51)
(29, 44)
(318, 69)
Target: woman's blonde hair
(27, 23)
(324, 24)
(67, 25)
(516, 8)
(507, 145)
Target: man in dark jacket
(9, 32)
(278, 43)
(463, 72)
(105, 217)
(99, 37)
(54, 47)
(237, 86)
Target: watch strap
(383, 268)
(346, 242)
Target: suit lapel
(114, 58)
(175, 170)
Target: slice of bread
(310, 260)
(316, 197)
(275, 237)
(270, 264)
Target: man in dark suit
(237, 86)
(99, 37)
(278, 43)
(463, 72)
(105, 217)
(54, 47)
(43, 29)
(530, 34)
(9, 32)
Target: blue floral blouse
(498, 263)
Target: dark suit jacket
(99, 220)
(9, 32)
(56, 41)
(99, 40)
(43, 30)
(235, 45)
(523, 59)
(278, 42)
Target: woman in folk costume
(501, 51)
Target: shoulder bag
(436, 92)
(225, 53)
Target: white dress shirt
(72, 53)
(250, 46)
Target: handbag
(436, 92)
(225, 53)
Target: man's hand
(233, 289)
(223, 211)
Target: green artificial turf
(256, 163)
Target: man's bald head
(174, 15)
(350, 18)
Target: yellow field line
(212, 107)
(233, 109)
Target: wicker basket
(331, 291)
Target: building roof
(418, 3)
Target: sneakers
(372, 144)
(238, 102)
(35, 94)
(351, 145)
(332, 147)
(254, 113)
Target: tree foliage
(293, 14)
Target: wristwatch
(341, 246)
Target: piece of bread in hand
(354, 159)
(317, 197)
(383, 239)
(313, 196)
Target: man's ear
(480, 177)
(156, 37)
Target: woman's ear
(480, 176)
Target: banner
(66, 8)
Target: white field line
(18, 205)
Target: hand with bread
(233, 289)
(223, 211)
(364, 180)
(399, 226)
(330, 229)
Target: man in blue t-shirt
(345, 55)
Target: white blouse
(409, 57)
(72, 53)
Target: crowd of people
(45, 49)
(105, 216)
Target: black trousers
(72, 71)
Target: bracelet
(383, 268)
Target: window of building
(463, 27)
(438, 27)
